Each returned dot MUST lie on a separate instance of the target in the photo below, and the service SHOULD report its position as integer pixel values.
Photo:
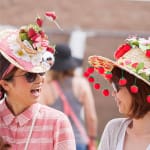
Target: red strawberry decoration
(122, 50)
(97, 86)
(108, 75)
(134, 89)
(122, 81)
(86, 74)
(105, 92)
(90, 70)
(148, 53)
(39, 21)
(50, 15)
(31, 32)
(101, 70)
(91, 79)
(148, 98)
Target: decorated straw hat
(28, 48)
(133, 57)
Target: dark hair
(139, 106)
(4, 64)
(60, 75)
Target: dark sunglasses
(31, 77)
(115, 86)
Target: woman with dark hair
(71, 94)
(25, 57)
(129, 76)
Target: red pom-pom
(148, 98)
(101, 70)
(90, 70)
(105, 92)
(108, 75)
(134, 89)
(148, 53)
(86, 74)
(122, 50)
(97, 86)
(91, 79)
(122, 81)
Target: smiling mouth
(36, 92)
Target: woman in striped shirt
(25, 56)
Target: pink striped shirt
(52, 130)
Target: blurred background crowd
(89, 27)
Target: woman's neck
(141, 126)
(15, 107)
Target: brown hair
(139, 105)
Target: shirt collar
(9, 118)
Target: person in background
(129, 76)
(25, 56)
(70, 93)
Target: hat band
(7, 71)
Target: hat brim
(108, 65)
(32, 64)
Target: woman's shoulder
(117, 123)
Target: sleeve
(104, 141)
(64, 137)
(111, 133)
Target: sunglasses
(31, 77)
(115, 86)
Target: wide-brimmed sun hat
(63, 58)
(28, 48)
(133, 57)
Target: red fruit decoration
(31, 32)
(122, 50)
(90, 70)
(51, 16)
(105, 92)
(91, 79)
(122, 81)
(39, 21)
(97, 86)
(101, 70)
(148, 53)
(108, 75)
(134, 89)
(148, 98)
(86, 74)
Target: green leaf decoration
(139, 66)
(35, 27)
(136, 43)
(23, 36)
(143, 75)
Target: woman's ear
(4, 84)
